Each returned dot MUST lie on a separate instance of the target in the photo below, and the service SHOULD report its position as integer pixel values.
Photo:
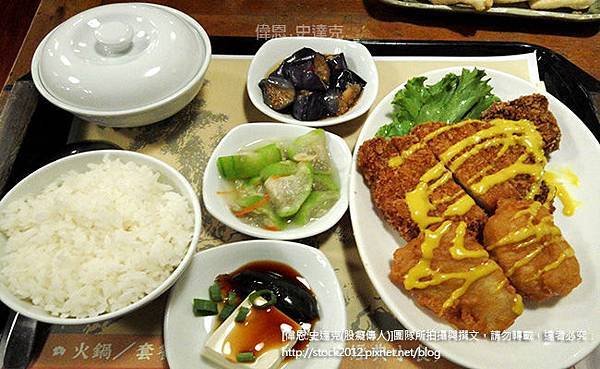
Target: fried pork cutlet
(533, 108)
(522, 237)
(491, 160)
(412, 189)
(447, 271)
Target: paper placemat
(186, 142)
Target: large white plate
(579, 310)
(185, 334)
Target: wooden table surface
(352, 19)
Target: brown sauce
(262, 329)
(261, 332)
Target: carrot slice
(249, 209)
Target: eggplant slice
(278, 93)
(337, 64)
(306, 69)
(309, 105)
(314, 85)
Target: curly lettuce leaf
(453, 99)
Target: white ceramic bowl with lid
(123, 65)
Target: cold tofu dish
(260, 309)
(278, 184)
(312, 86)
(461, 176)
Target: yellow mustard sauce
(501, 132)
(458, 250)
(433, 277)
(531, 210)
(398, 160)
(501, 284)
(556, 181)
(460, 207)
(529, 234)
(524, 260)
(567, 253)
(418, 201)
(447, 198)
(509, 172)
(543, 228)
(506, 133)
(518, 305)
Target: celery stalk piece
(315, 206)
(248, 165)
(311, 147)
(289, 192)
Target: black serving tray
(46, 128)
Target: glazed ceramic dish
(377, 242)
(185, 334)
(122, 65)
(249, 133)
(39, 179)
(274, 51)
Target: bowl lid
(119, 57)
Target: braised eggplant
(322, 85)
(347, 77)
(306, 69)
(309, 105)
(337, 64)
(337, 102)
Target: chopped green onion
(205, 307)
(242, 314)
(226, 312)
(232, 299)
(245, 357)
(215, 293)
(268, 295)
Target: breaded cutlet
(390, 186)
(480, 160)
(533, 108)
(522, 237)
(488, 303)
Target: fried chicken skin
(522, 237)
(533, 108)
(448, 272)
(412, 189)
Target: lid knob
(114, 37)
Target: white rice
(94, 242)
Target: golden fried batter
(477, 151)
(449, 272)
(395, 178)
(533, 108)
(522, 237)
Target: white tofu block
(215, 349)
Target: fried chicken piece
(481, 158)
(390, 186)
(522, 237)
(373, 157)
(533, 108)
(471, 292)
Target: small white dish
(123, 65)
(36, 181)
(185, 334)
(249, 133)
(274, 51)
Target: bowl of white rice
(94, 236)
